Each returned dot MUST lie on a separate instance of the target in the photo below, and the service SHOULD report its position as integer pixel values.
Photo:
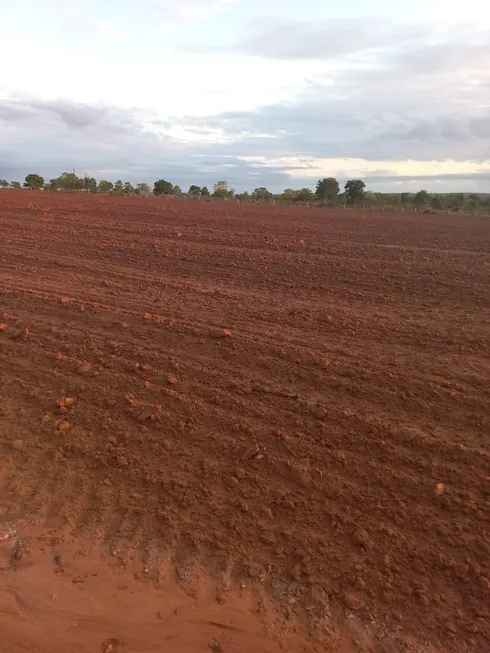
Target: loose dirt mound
(296, 400)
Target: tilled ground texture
(297, 399)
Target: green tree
(194, 190)
(34, 181)
(289, 194)
(119, 187)
(205, 191)
(262, 194)
(4, 183)
(221, 189)
(177, 190)
(354, 191)
(473, 202)
(70, 181)
(390, 200)
(142, 189)
(105, 186)
(90, 184)
(15, 184)
(373, 200)
(304, 195)
(436, 202)
(405, 200)
(327, 189)
(455, 201)
(128, 188)
(67, 181)
(162, 187)
(421, 199)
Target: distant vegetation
(327, 193)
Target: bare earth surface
(239, 428)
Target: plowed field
(291, 403)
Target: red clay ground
(356, 355)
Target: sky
(276, 94)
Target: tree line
(327, 193)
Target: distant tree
(67, 181)
(119, 187)
(473, 202)
(221, 190)
(421, 199)
(34, 181)
(105, 186)
(15, 184)
(304, 195)
(142, 189)
(455, 201)
(391, 200)
(205, 191)
(244, 197)
(194, 190)
(162, 187)
(354, 191)
(289, 194)
(128, 188)
(90, 184)
(4, 183)
(373, 200)
(177, 190)
(327, 189)
(405, 200)
(436, 202)
(261, 194)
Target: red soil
(147, 347)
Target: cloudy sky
(275, 93)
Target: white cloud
(314, 168)
(290, 101)
(105, 28)
(79, 12)
(193, 11)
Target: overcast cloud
(398, 103)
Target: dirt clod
(352, 600)
(361, 537)
(220, 333)
(439, 489)
(66, 402)
(318, 412)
